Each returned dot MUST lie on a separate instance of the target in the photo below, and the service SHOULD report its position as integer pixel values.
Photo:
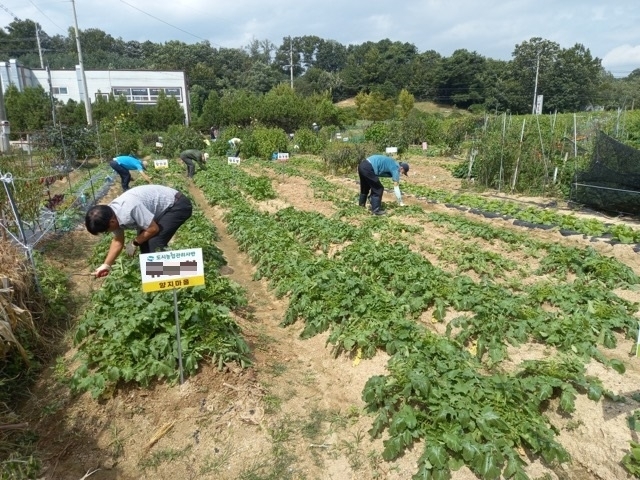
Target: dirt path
(305, 390)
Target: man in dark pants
(370, 170)
(191, 156)
(154, 211)
(123, 164)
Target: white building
(140, 87)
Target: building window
(59, 90)
(146, 95)
(121, 91)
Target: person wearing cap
(234, 146)
(370, 170)
(124, 164)
(154, 211)
(191, 156)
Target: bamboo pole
(515, 172)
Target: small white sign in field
(392, 150)
(233, 160)
(161, 163)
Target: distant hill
(428, 107)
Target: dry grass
(15, 284)
(428, 107)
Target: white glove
(102, 271)
(396, 190)
(130, 249)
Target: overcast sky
(491, 28)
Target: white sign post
(539, 100)
(172, 270)
(233, 160)
(392, 150)
(164, 163)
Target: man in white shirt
(154, 211)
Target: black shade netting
(611, 182)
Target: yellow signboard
(172, 269)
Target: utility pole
(37, 34)
(4, 125)
(535, 88)
(291, 60)
(87, 100)
(39, 47)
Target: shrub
(179, 138)
(262, 142)
(309, 142)
(388, 134)
(119, 136)
(343, 157)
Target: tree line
(571, 79)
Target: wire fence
(38, 200)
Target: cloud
(622, 59)
(491, 28)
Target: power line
(45, 15)
(9, 12)
(166, 23)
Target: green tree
(262, 142)
(261, 51)
(261, 78)
(181, 137)
(111, 107)
(28, 110)
(290, 53)
(197, 96)
(574, 81)
(536, 54)
(71, 114)
(324, 112)
(462, 79)
(316, 80)
(119, 135)
(383, 66)
(331, 56)
(238, 107)
(373, 106)
(159, 117)
(20, 40)
(406, 101)
(283, 108)
(498, 85)
(426, 75)
(211, 112)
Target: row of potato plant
(129, 336)
(532, 214)
(582, 316)
(511, 210)
(555, 259)
(479, 204)
(367, 298)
